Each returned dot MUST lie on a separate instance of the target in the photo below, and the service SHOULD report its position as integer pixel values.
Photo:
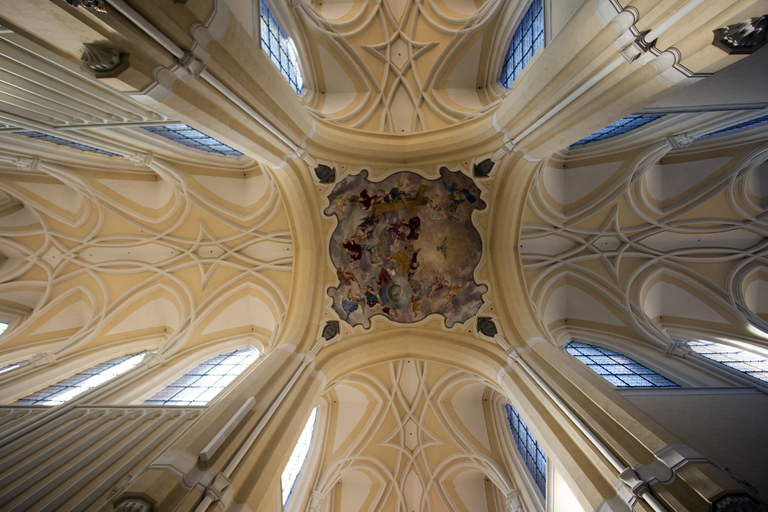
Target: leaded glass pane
(69, 388)
(620, 127)
(739, 126)
(64, 142)
(528, 37)
(194, 139)
(534, 457)
(616, 368)
(741, 360)
(280, 49)
(203, 382)
(292, 469)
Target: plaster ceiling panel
(19, 218)
(153, 194)
(463, 7)
(667, 299)
(549, 245)
(340, 89)
(58, 195)
(352, 405)
(467, 403)
(149, 253)
(355, 490)
(73, 316)
(413, 490)
(461, 85)
(571, 302)
(470, 487)
(269, 250)
(11, 260)
(666, 182)
(756, 296)
(667, 241)
(246, 311)
(160, 312)
(568, 186)
(28, 298)
(335, 9)
(758, 185)
(242, 192)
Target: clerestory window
(619, 370)
(532, 454)
(194, 139)
(744, 361)
(3, 327)
(202, 383)
(528, 37)
(620, 127)
(69, 388)
(299, 455)
(280, 49)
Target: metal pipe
(672, 19)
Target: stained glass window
(280, 49)
(528, 37)
(619, 370)
(202, 383)
(532, 454)
(291, 471)
(65, 142)
(741, 360)
(739, 126)
(195, 139)
(69, 388)
(620, 127)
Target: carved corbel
(103, 62)
(26, 163)
(514, 504)
(133, 504)
(96, 5)
(681, 140)
(43, 359)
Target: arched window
(528, 37)
(69, 388)
(742, 360)
(3, 327)
(532, 454)
(292, 469)
(202, 383)
(280, 49)
(619, 370)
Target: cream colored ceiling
(650, 241)
(413, 435)
(121, 260)
(400, 66)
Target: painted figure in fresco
(370, 296)
(345, 276)
(435, 207)
(394, 195)
(438, 283)
(405, 232)
(366, 201)
(354, 248)
(408, 265)
(443, 247)
(384, 278)
(350, 304)
(451, 294)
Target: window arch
(280, 49)
(528, 37)
(69, 388)
(619, 370)
(298, 456)
(202, 383)
(533, 456)
(744, 361)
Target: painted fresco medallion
(406, 247)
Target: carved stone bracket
(188, 66)
(743, 38)
(681, 140)
(133, 505)
(486, 326)
(513, 502)
(331, 330)
(96, 5)
(27, 163)
(103, 62)
(737, 503)
(483, 169)
(325, 174)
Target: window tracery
(528, 37)
(619, 370)
(69, 388)
(534, 457)
(202, 383)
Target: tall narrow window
(69, 388)
(202, 383)
(292, 469)
(741, 360)
(619, 370)
(532, 454)
(528, 37)
(3, 327)
(195, 139)
(280, 49)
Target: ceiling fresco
(406, 247)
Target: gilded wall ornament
(406, 247)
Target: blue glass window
(13, 366)
(3, 327)
(280, 49)
(528, 37)
(741, 360)
(65, 142)
(619, 370)
(620, 127)
(69, 388)
(745, 124)
(202, 383)
(299, 455)
(195, 139)
(532, 454)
